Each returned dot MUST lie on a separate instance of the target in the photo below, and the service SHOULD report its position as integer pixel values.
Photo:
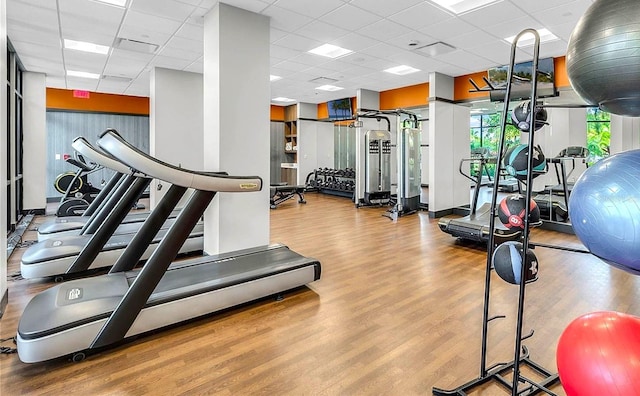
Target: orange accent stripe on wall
(405, 97)
(560, 72)
(462, 85)
(277, 113)
(323, 111)
(63, 99)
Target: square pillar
(237, 124)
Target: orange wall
(62, 99)
(561, 76)
(277, 113)
(461, 86)
(405, 97)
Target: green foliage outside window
(598, 134)
(485, 132)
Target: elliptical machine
(77, 192)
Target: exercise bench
(282, 192)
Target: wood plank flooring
(397, 311)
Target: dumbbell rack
(518, 384)
(339, 182)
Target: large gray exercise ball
(603, 56)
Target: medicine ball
(521, 117)
(512, 209)
(516, 161)
(507, 261)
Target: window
(485, 131)
(598, 134)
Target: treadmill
(82, 315)
(77, 225)
(100, 246)
(475, 226)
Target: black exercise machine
(282, 192)
(476, 226)
(77, 192)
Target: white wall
(625, 133)
(567, 127)
(34, 110)
(3, 150)
(237, 124)
(449, 142)
(175, 122)
(315, 147)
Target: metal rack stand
(519, 384)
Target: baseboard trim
(37, 212)
(440, 213)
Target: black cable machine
(85, 315)
(499, 372)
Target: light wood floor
(398, 310)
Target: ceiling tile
(249, 5)
(322, 32)
(420, 16)
(195, 67)
(139, 21)
(297, 43)
(191, 32)
(381, 7)
(354, 41)
(186, 44)
(286, 20)
(313, 9)
(170, 63)
(443, 30)
(384, 30)
(350, 17)
(166, 9)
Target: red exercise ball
(599, 354)
(512, 209)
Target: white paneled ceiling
(379, 33)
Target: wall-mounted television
(340, 109)
(521, 86)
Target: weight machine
(377, 147)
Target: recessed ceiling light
(462, 6)
(86, 47)
(282, 99)
(274, 78)
(528, 39)
(402, 70)
(73, 73)
(119, 3)
(329, 88)
(330, 51)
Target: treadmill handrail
(114, 144)
(81, 145)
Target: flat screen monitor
(340, 109)
(521, 86)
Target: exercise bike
(77, 192)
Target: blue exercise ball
(603, 56)
(604, 208)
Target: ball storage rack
(509, 375)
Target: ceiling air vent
(116, 79)
(135, 45)
(434, 49)
(323, 80)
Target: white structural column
(449, 142)
(237, 124)
(34, 110)
(3, 149)
(567, 127)
(175, 122)
(625, 133)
